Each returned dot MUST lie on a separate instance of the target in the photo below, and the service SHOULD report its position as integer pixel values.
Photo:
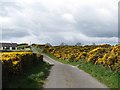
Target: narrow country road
(68, 76)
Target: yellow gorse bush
(14, 63)
(13, 55)
(105, 54)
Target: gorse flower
(16, 61)
(105, 54)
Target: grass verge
(104, 75)
(31, 78)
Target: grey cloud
(96, 23)
(9, 33)
(53, 22)
(92, 29)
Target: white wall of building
(1, 48)
(10, 48)
(15, 48)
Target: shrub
(105, 55)
(13, 63)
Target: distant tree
(63, 44)
(33, 44)
(48, 44)
(24, 44)
(78, 44)
(93, 44)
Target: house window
(7, 48)
(13, 48)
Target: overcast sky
(56, 21)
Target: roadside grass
(31, 78)
(53, 57)
(104, 75)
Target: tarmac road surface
(68, 76)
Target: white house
(8, 46)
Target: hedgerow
(14, 63)
(106, 55)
